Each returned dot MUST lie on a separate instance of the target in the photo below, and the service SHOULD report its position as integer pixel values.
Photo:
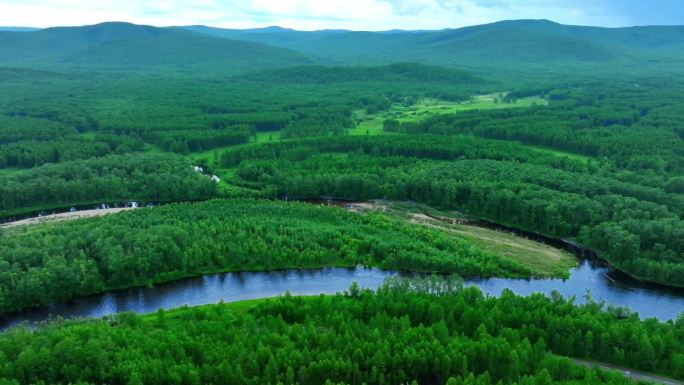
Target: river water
(603, 283)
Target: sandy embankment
(64, 216)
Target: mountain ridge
(508, 44)
(125, 45)
(504, 42)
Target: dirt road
(64, 216)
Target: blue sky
(348, 14)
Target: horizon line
(33, 29)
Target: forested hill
(519, 46)
(124, 46)
(506, 42)
(18, 29)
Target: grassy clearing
(266, 137)
(9, 170)
(561, 154)
(368, 124)
(371, 124)
(427, 107)
(213, 154)
(544, 260)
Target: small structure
(198, 169)
(215, 178)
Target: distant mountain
(125, 46)
(274, 36)
(537, 42)
(519, 46)
(18, 29)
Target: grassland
(8, 170)
(544, 260)
(371, 124)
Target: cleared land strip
(64, 216)
(544, 260)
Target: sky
(371, 15)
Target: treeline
(636, 227)
(399, 72)
(398, 335)
(424, 146)
(186, 141)
(46, 264)
(148, 177)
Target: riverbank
(619, 297)
(295, 223)
(148, 247)
(390, 317)
(64, 216)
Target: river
(603, 283)
(592, 277)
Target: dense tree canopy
(147, 177)
(422, 333)
(55, 262)
(571, 132)
(602, 166)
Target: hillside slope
(124, 46)
(528, 42)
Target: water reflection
(603, 283)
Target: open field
(426, 107)
(371, 124)
(260, 137)
(544, 260)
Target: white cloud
(302, 14)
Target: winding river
(604, 284)
(592, 277)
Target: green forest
(56, 262)
(234, 137)
(421, 332)
(600, 162)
